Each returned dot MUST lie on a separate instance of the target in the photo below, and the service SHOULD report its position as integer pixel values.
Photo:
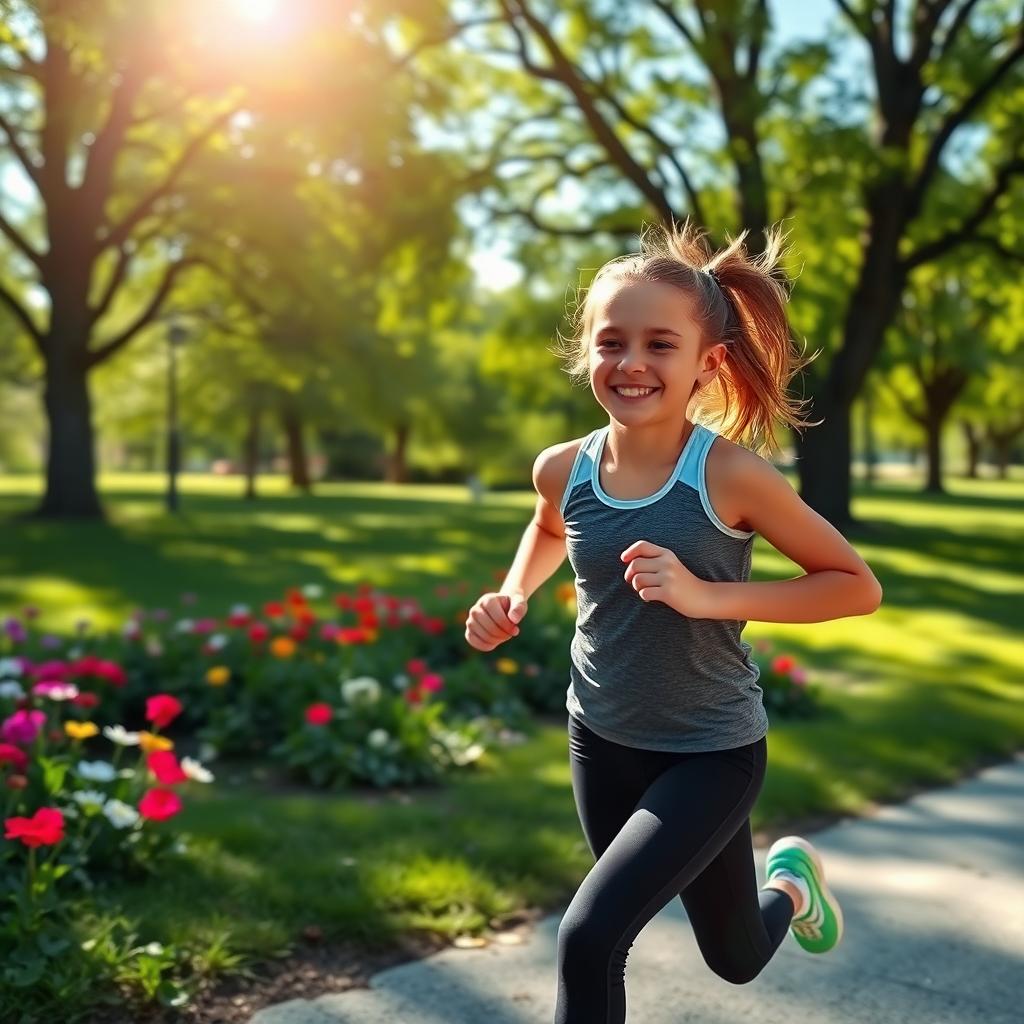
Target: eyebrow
(650, 330)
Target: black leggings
(662, 824)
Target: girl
(657, 513)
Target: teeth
(634, 392)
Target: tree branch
(19, 151)
(117, 234)
(957, 118)
(7, 228)
(968, 227)
(105, 351)
(954, 29)
(23, 315)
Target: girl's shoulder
(551, 471)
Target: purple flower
(50, 641)
(15, 630)
(23, 725)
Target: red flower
(431, 682)
(44, 828)
(416, 666)
(238, 618)
(258, 632)
(273, 609)
(319, 714)
(10, 754)
(164, 765)
(162, 709)
(298, 633)
(783, 663)
(159, 804)
(414, 695)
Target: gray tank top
(640, 673)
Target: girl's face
(644, 335)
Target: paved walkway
(933, 897)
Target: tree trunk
(397, 471)
(973, 449)
(71, 459)
(251, 454)
(823, 461)
(933, 443)
(298, 463)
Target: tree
(600, 110)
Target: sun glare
(257, 10)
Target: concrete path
(933, 897)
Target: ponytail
(741, 302)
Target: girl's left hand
(657, 575)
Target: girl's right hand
(492, 620)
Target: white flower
(62, 691)
(89, 798)
(153, 949)
(75, 652)
(184, 625)
(131, 628)
(126, 773)
(239, 609)
(120, 814)
(96, 771)
(194, 770)
(207, 752)
(313, 591)
(11, 688)
(469, 754)
(120, 735)
(217, 641)
(400, 681)
(378, 738)
(154, 648)
(363, 688)
(10, 667)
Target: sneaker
(819, 927)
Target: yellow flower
(150, 741)
(282, 647)
(218, 675)
(80, 730)
(506, 666)
(566, 592)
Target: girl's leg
(690, 808)
(738, 927)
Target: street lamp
(176, 336)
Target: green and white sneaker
(819, 927)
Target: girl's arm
(542, 548)
(838, 581)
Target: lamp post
(176, 336)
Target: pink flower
(162, 709)
(416, 666)
(159, 804)
(10, 754)
(431, 682)
(319, 714)
(23, 726)
(164, 765)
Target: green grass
(914, 693)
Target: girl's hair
(743, 304)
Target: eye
(602, 344)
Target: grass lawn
(916, 693)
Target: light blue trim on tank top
(690, 468)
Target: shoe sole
(827, 896)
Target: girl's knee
(736, 972)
